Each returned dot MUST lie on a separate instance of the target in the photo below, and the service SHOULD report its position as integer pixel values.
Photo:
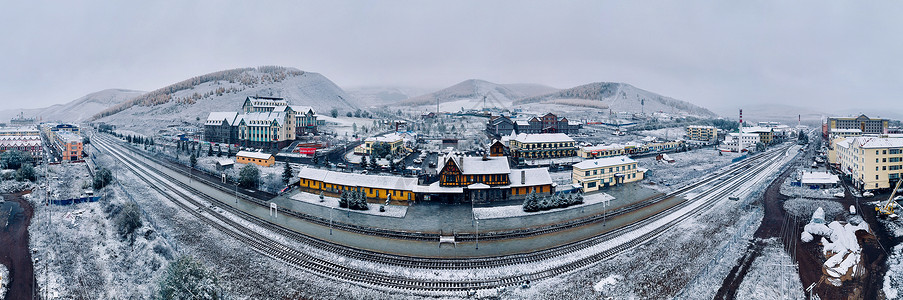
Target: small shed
(224, 164)
(819, 180)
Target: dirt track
(15, 251)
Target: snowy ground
(773, 275)
(4, 281)
(893, 279)
(510, 211)
(394, 211)
(687, 165)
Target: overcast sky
(718, 54)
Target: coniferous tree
(286, 174)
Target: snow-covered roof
(530, 177)
(543, 138)
(69, 137)
(303, 109)
(819, 178)
(603, 147)
(267, 117)
(258, 155)
(478, 186)
(604, 162)
(359, 180)
(522, 123)
(389, 138)
(18, 143)
(217, 118)
(436, 189)
(701, 126)
(874, 142)
(474, 165)
(756, 129)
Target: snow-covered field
(393, 211)
(510, 211)
(687, 165)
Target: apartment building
(871, 163)
(604, 172)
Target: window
(876, 178)
(590, 185)
(587, 173)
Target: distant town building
(30, 144)
(871, 163)
(257, 158)
(549, 123)
(394, 140)
(306, 121)
(862, 122)
(766, 135)
(69, 145)
(844, 133)
(600, 151)
(542, 145)
(266, 122)
(497, 148)
(732, 142)
(702, 133)
(594, 174)
(221, 127)
(21, 120)
(819, 180)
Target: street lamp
(478, 235)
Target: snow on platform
(393, 211)
(518, 210)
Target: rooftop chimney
(523, 177)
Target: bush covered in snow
(187, 278)
(10, 186)
(803, 208)
(128, 221)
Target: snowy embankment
(394, 211)
(510, 211)
(4, 280)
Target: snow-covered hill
(188, 101)
(77, 110)
(619, 97)
(469, 94)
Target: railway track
(277, 250)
